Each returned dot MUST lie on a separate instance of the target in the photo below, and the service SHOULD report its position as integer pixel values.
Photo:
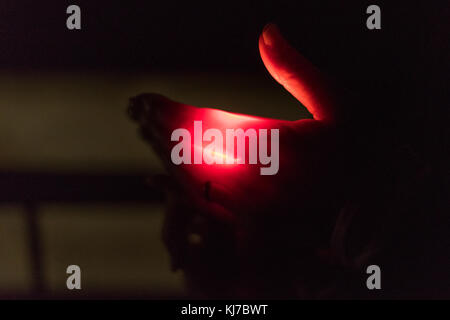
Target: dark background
(63, 94)
(164, 34)
(407, 56)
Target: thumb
(296, 74)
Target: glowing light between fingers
(215, 154)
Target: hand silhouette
(231, 229)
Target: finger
(296, 74)
(189, 225)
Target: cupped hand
(229, 220)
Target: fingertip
(269, 34)
(271, 45)
(296, 73)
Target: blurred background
(71, 131)
(72, 166)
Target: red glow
(230, 176)
(298, 140)
(223, 155)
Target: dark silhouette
(372, 188)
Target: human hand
(247, 222)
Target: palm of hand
(284, 211)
